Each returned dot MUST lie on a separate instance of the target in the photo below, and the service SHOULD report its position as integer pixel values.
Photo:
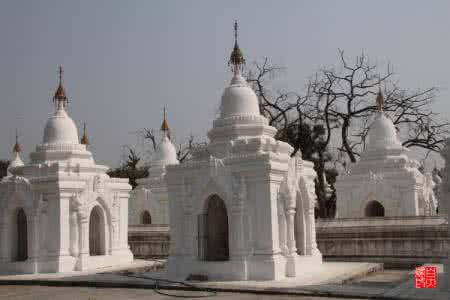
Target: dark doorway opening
(217, 248)
(374, 209)
(146, 218)
(96, 232)
(22, 236)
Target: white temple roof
(16, 162)
(165, 153)
(60, 143)
(383, 134)
(239, 99)
(240, 117)
(60, 129)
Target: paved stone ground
(140, 284)
(83, 293)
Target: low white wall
(395, 241)
(149, 241)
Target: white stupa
(385, 182)
(16, 161)
(242, 208)
(149, 202)
(61, 212)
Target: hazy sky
(125, 60)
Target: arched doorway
(216, 230)
(22, 236)
(146, 218)
(374, 209)
(96, 232)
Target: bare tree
(295, 117)
(184, 151)
(336, 111)
(148, 134)
(352, 90)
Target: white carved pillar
(191, 230)
(308, 227)
(74, 234)
(177, 231)
(266, 261)
(237, 245)
(121, 230)
(282, 225)
(290, 242)
(300, 238)
(84, 235)
(83, 241)
(3, 238)
(292, 258)
(34, 238)
(311, 244)
(309, 201)
(312, 225)
(114, 240)
(189, 222)
(115, 243)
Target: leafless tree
(352, 91)
(148, 134)
(338, 107)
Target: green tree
(310, 140)
(3, 168)
(130, 169)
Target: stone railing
(149, 241)
(396, 241)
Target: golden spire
(380, 101)
(60, 93)
(164, 125)
(236, 58)
(84, 138)
(17, 147)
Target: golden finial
(60, 94)
(164, 125)
(236, 58)
(380, 101)
(84, 138)
(17, 147)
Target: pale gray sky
(125, 60)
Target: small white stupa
(17, 161)
(149, 202)
(61, 212)
(242, 208)
(385, 182)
